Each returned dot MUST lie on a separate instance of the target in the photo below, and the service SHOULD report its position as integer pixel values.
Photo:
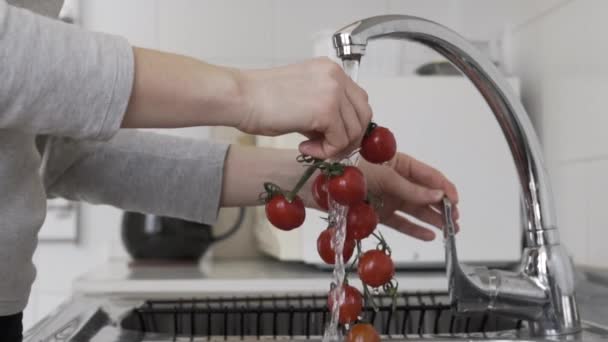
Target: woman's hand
(315, 98)
(408, 186)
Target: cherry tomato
(375, 268)
(379, 145)
(283, 214)
(319, 191)
(352, 306)
(349, 187)
(327, 251)
(361, 221)
(362, 332)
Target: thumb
(408, 191)
(313, 148)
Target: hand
(315, 98)
(408, 186)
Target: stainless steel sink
(427, 317)
(283, 317)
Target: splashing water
(337, 215)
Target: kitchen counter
(262, 275)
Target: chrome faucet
(541, 291)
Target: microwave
(443, 121)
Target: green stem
(374, 200)
(370, 128)
(305, 177)
(377, 237)
(352, 266)
(369, 297)
(382, 242)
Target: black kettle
(150, 237)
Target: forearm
(247, 168)
(194, 92)
(138, 171)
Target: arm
(196, 93)
(138, 171)
(60, 80)
(315, 98)
(63, 81)
(192, 179)
(407, 186)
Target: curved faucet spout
(541, 291)
(351, 42)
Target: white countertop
(261, 276)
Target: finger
(425, 214)
(396, 185)
(455, 216)
(406, 226)
(354, 128)
(332, 142)
(360, 101)
(319, 136)
(425, 175)
(335, 139)
(455, 211)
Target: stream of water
(337, 215)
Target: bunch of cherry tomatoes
(346, 185)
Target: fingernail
(436, 195)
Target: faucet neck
(351, 42)
(542, 290)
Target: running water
(337, 216)
(351, 68)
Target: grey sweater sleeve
(139, 171)
(61, 80)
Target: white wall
(561, 56)
(250, 34)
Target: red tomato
(327, 251)
(348, 188)
(375, 268)
(283, 214)
(352, 306)
(379, 146)
(361, 221)
(319, 191)
(362, 332)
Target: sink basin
(418, 316)
(415, 315)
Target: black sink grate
(413, 314)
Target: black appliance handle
(235, 227)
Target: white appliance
(443, 121)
